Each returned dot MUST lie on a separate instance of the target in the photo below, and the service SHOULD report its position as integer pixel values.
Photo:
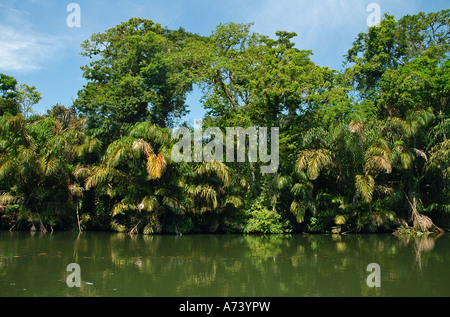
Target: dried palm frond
(356, 127)
(7, 199)
(143, 147)
(81, 171)
(76, 190)
(156, 164)
(420, 153)
(384, 189)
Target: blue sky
(38, 48)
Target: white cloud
(327, 27)
(307, 18)
(23, 50)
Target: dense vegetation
(363, 150)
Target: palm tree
(394, 150)
(38, 162)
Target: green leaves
(134, 78)
(314, 161)
(396, 64)
(365, 185)
(354, 144)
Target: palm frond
(385, 190)
(100, 175)
(90, 145)
(298, 209)
(340, 220)
(234, 200)
(143, 147)
(283, 181)
(75, 190)
(302, 188)
(156, 164)
(378, 159)
(365, 185)
(218, 168)
(6, 168)
(406, 160)
(7, 199)
(122, 207)
(420, 153)
(207, 192)
(49, 166)
(149, 203)
(119, 151)
(173, 204)
(82, 171)
(314, 161)
(356, 127)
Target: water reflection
(420, 244)
(222, 265)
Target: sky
(39, 48)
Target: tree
(38, 163)
(394, 47)
(8, 94)
(27, 97)
(133, 78)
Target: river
(113, 264)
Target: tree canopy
(360, 150)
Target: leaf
(340, 220)
(143, 147)
(156, 164)
(149, 203)
(121, 208)
(298, 209)
(365, 185)
(218, 168)
(314, 161)
(378, 159)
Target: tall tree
(377, 54)
(133, 78)
(8, 94)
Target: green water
(222, 265)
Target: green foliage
(8, 95)
(362, 150)
(263, 220)
(135, 76)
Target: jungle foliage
(361, 150)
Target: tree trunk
(78, 220)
